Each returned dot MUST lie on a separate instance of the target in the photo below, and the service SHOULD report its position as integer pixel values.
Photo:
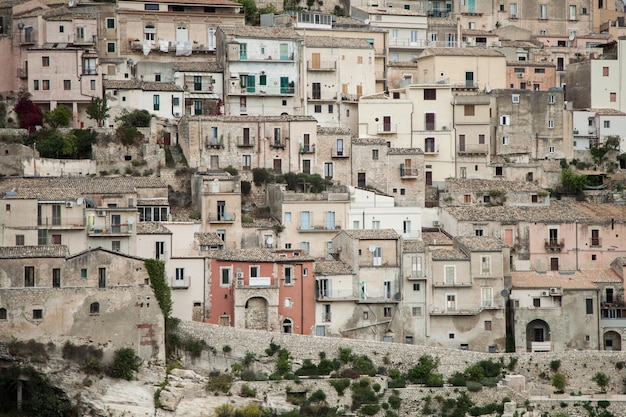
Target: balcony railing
(62, 223)
(387, 128)
(307, 149)
(340, 153)
(554, 245)
(22, 73)
(467, 309)
(408, 172)
(326, 317)
(265, 58)
(350, 97)
(222, 217)
(245, 143)
(277, 144)
(322, 66)
(381, 298)
(595, 242)
(107, 230)
(319, 227)
(337, 295)
(254, 282)
(465, 282)
(474, 149)
(179, 284)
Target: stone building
(88, 297)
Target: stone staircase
(179, 159)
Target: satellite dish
(504, 293)
(131, 220)
(79, 201)
(71, 3)
(572, 36)
(488, 88)
(269, 240)
(372, 248)
(176, 74)
(366, 21)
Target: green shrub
(555, 365)
(364, 365)
(226, 349)
(473, 386)
(135, 118)
(248, 375)
(246, 187)
(362, 393)
(421, 371)
(376, 387)
(33, 350)
(370, 409)
(125, 364)
(128, 135)
(92, 365)
(247, 391)
(340, 385)
(219, 383)
(394, 402)
(325, 367)
(434, 380)
(318, 395)
(457, 379)
(345, 355)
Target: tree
(28, 113)
(136, 118)
(558, 382)
(602, 380)
(59, 117)
(98, 110)
(572, 181)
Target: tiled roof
(209, 239)
(152, 228)
(436, 238)
(460, 52)
(372, 234)
(402, 64)
(326, 267)
(557, 212)
(404, 151)
(529, 64)
(481, 243)
(328, 131)
(199, 66)
(607, 112)
(470, 185)
(43, 251)
(138, 85)
(448, 255)
(477, 32)
(152, 86)
(260, 32)
(378, 96)
(368, 141)
(201, 2)
(249, 119)
(336, 42)
(64, 188)
(413, 245)
(254, 255)
(562, 279)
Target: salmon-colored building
(262, 289)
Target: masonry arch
(612, 340)
(287, 326)
(256, 313)
(538, 336)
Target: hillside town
(425, 172)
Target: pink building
(262, 289)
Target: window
(45, 61)
(536, 302)
(287, 302)
(513, 10)
(61, 29)
(429, 145)
(485, 265)
(92, 84)
(416, 311)
(374, 154)
(359, 59)
(515, 98)
(607, 123)
(469, 110)
(45, 84)
(287, 216)
(94, 308)
(450, 272)
(543, 11)
(67, 84)
(156, 102)
(589, 306)
(505, 120)
(430, 94)
(605, 71)
(152, 7)
(29, 276)
(35, 85)
(467, 198)
(19, 240)
(478, 232)
(318, 108)
(499, 171)
(149, 32)
(330, 109)
(110, 23)
(551, 149)
(534, 198)
(180, 275)
(288, 275)
(583, 10)
(386, 311)
(572, 12)
(481, 139)
(613, 97)
(550, 99)
(487, 199)
(102, 277)
(225, 276)
(3, 313)
(505, 140)
(56, 278)
(328, 170)
(37, 314)
(111, 47)
(488, 325)
(116, 245)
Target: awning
(207, 96)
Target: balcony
(408, 173)
(465, 86)
(29, 39)
(307, 149)
(322, 66)
(62, 223)
(198, 88)
(171, 47)
(464, 282)
(326, 317)
(350, 97)
(279, 144)
(595, 242)
(482, 149)
(339, 295)
(22, 73)
(431, 150)
(261, 90)
(415, 276)
(222, 217)
(245, 142)
(408, 43)
(554, 245)
(215, 142)
(180, 283)
(329, 226)
(340, 153)
(265, 58)
(467, 309)
(326, 96)
(255, 282)
(387, 128)
(380, 299)
(110, 230)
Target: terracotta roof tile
(209, 239)
(372, 234)
(469, 185)
(255, 255)
(562, 279)
(460, 52)
(200, 66)
(152, 228)
(481, 243)
(332, 267)
(331, 131)
(336, 42)
(43, 251)
(436, 238)
(260, 32)
(448, 255)
(413, 245)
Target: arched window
(287, 326)
(94, 308)
(3, 313)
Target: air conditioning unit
(545, 293)
(240, 282)
(554, 290)
(101, 213)
(436, 223)
(177, 114)
(239, 275)
(444, 127)
(520, 75)
(69, 204)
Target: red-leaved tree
(28, 113)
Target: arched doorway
(287, 326)
(256, 313)
(612, 340)
(538, 336)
